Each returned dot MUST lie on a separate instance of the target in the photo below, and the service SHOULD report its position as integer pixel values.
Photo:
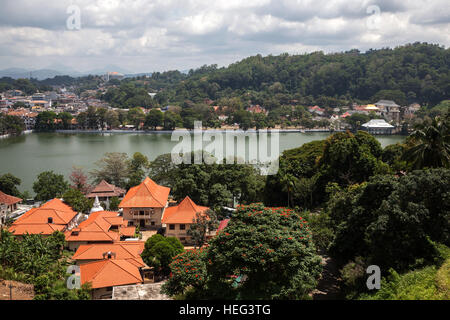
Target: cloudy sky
(158, 35)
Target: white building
(378, 126)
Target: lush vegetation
(12, 125)
(264, 253)
(159, 252)
(40, 261)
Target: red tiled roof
(110, 273)
(104, 189)
(146, 195)
(7, 199)
(183, 213)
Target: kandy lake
(28, 155)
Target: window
(182, 227)
(171, 227)
(153, 223)
(182, 239)
(109, 289)
(141, 213)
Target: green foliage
(154, 119)
(390, 220)
(9, 184)
(114, 203)
(137, 169)
(202, 223)
(12, 125)
(430, 145)
(159, 251)
(77, 200)
(49, 185)
(270, 250)
(211, 185)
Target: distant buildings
(389, 110)
(378, 126)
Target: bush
(159, 251)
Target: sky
(159, 35)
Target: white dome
(97, 207)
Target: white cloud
(166, 34)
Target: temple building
(105, 191)
(144, 205)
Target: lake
(28, 155)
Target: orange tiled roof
(123, 250)
(110, 273)
(146, 195)
(7, 199)
(60, 213)
(183, 213)
(97, 228)
(44, 229)
(35, 221)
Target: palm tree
(431, 145)
(288, 182)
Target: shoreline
(191, 130)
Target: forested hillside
(416, 72)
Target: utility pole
(10, 290)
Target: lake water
(28, 155)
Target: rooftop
(9, 200)
(183, 213)
(146, 195)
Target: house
(9, 202)
(389, 109)
(378, 126)
(100, 227)
(105, 191)
(105, 274)
(257, 109)
(144, 205)
(122, 250)
(178, 219)
(53, 216)
(317, 110)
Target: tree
(114, 204)
(356, 120)
(77, 200)
(187, 272)
(113, 169)
(159, 251)
(430, 145)
(137, 168)
(263, 253)
(392, 221)
(9, 184)
(49, 185)
(153, 119)
(172, 120)
(79, 180)
(201, 225)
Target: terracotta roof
(104, 189)
(44, 229)
(146, 195)
(110, 273)
(122, 249)
(36, 220)
(97, 228)
(9, 200)
(183, 213)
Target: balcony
(138, 216)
